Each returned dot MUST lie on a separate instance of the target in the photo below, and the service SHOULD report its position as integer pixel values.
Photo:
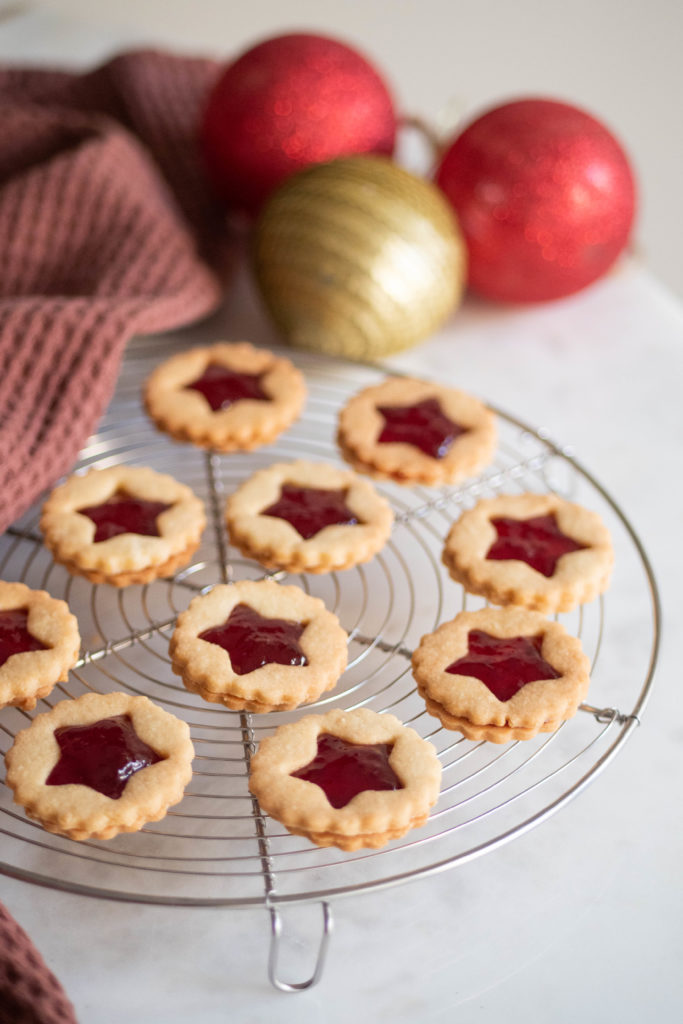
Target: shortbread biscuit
(39, 643)
(258, 646)
(571, 545)
(124, 557)
(360, 519)
(227, 396)
(415, 431)
(500, 674)
(103, 764)
(380, 777)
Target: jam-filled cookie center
(310, 509)
(343, 769)
(222, 387)
(424, 425)
(538, 541)
(252, 640)
(102, 756)
(503, 664)
(122, 513)
(15, 637)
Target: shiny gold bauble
(358, 258)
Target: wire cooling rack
(216, 847)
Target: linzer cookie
(501, 674)
(308, 517)
(258, 646)
(122, 525)
(228, 397)
(349, 779)
(103, 764)
(534, 550)
(39, 643)
(413, 431)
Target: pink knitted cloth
(107, 229)
(29, 992)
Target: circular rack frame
(216, 848)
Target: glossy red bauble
(545, 197)
(289, 102)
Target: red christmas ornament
(289, 102)
(545, 197)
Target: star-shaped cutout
(222, 387)
(424, 425)
(102, 756)
(252, 640)
(124, 514)
(343, 769)
(504, 665)
(14, 634)
(310, 509)
(537, 541)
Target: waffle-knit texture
(107, 230)
(29, 991)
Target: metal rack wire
(216, 848)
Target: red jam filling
(123, 514)
(424, 425)
(252, 640)
(102, 756)
(537, 541)
(14, 635)
(504, 665)
(343, 769)
(311, 509)
(222, 387)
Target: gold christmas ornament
(358, 258)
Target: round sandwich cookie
(39, 644)
(535, 550)
(226, 396)
(308, 517)
(258, 646)
(414, 431)
(501, 674)
(122, 525)
(349, 779)
(100, 765)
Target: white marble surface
(579, 919)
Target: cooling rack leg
(275, 937)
